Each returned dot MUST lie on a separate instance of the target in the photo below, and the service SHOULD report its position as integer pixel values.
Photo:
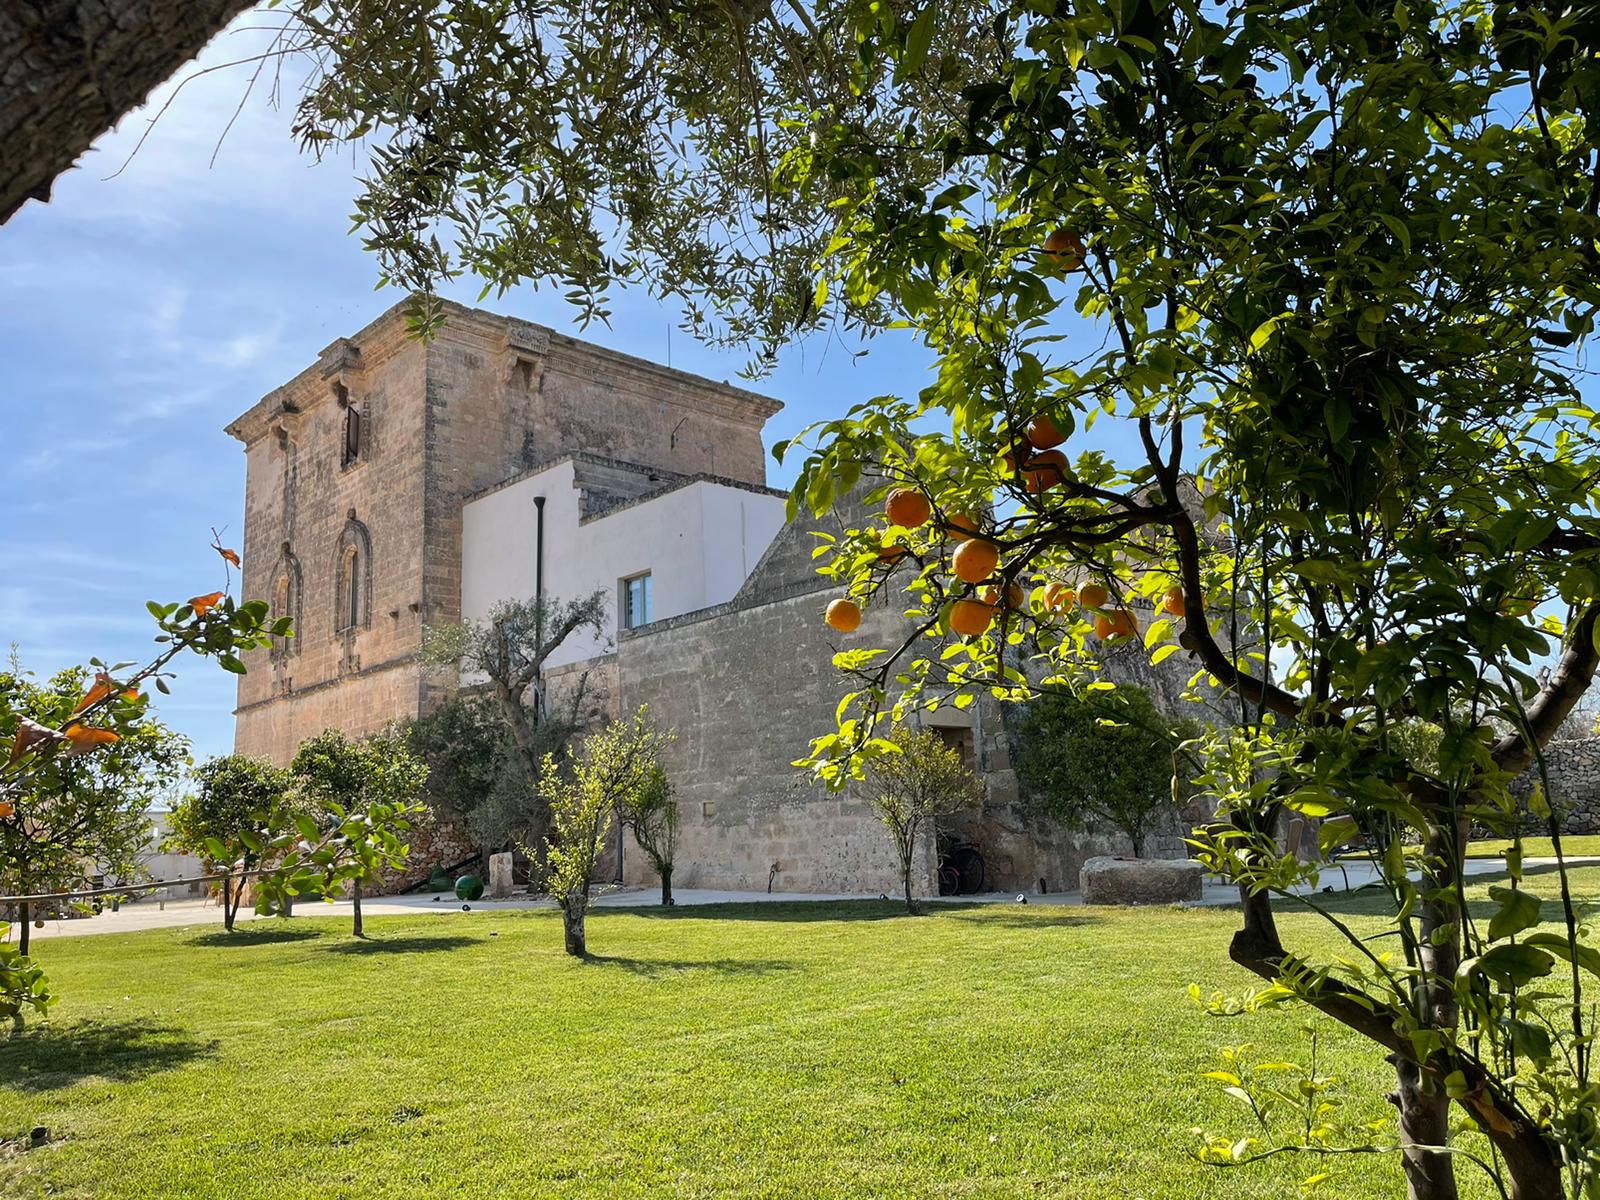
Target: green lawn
(1576, 846)
(806, 1051)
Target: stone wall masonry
(1573, 768)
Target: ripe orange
(892, 551)
(961, 526)
(844, 615)
(1044, 471)
(970, 618)
(1093, 596)
(1174, 602)
(1058, 597)
(1016, 596)
(1064, 249)
(908, 507)
(1043, 432)
(974, 560)
(6, 810)
(1118, 624)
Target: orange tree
(86, 758)
(1320, 266)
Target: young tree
(509, 650)
(652, 812)
(85, 812)
(611, 767)
(1345, 253)
(917, 780)
(229, 820)
(1107, 756)
(363, 791)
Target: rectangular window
(636, 607)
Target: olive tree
(651, 811)
(604, 778)
(918, 779)
(508, 650)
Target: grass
(1586, 845)
(840, 1050)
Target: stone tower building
(356, 473)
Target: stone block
(500, 884)
(1107, 880)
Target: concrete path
(150, 913)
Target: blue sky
(141, 313)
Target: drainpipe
(538, 595)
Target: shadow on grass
(251, 935)
(1017, 916)
(658, 968)
(414, 944)
(777, 910)
(45, 1057)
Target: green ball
(469, 887)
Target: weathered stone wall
(486, 399)
(1573, 767)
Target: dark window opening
(352, 435)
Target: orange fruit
(1043, 471)
(1016, 596)
(960, 526)
(1517, 606)
(844, 615)
(1118, 624)
(1064, 249)
(970, 618)
(1174, 602)
(974, 560)
(1093, 596)
(6, 810)
(1043, 432)
(1059, 597)
(892, 551)
(908, 507)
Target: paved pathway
(150, 913)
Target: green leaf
(1518, 910)
(1513, 964)
(1586, 957)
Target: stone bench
(1107, 880)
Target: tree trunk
(70, 69)
(228, 907)
(905, 878)
(1425, 1111)
(25, 926)
(666, 885)
(1138, 844)
(1424, 1121)
(355, 902)
(573, 910)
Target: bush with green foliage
(23, 983)
(1108, 756)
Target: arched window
(352, 440)
(353, 575)
(286, 601)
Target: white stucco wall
(699, 543)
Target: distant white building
(656, 544)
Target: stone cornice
(511, 341)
